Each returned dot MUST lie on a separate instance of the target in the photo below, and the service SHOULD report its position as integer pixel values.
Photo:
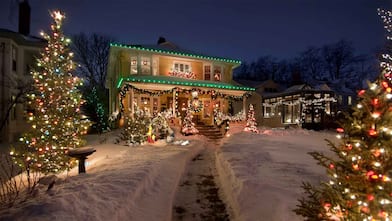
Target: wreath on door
(195, 105)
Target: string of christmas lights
(359, 186)
(56, 120)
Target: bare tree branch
(92, 53)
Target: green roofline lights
(175, 53)
(195, 84)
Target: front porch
(156, 96)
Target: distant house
(18, 51)
(300, 105)
(165, 77)
(345, 97)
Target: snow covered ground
(260, 175)
(122, 183)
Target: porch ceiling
(149, 82)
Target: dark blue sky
(239, 29)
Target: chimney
(24, 17)
(161, 40)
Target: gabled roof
(169, 80)
(299, 87)
(168, 49)
(295, 89)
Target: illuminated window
(155, 66)
(217, 73)
(133, 65)
(349, 100)
(182, 67)
(145, 65)
(207, 72)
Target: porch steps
(211, 132)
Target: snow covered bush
(160, 126)
(136, 127)
(188, 127)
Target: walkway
(197, 197)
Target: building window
(133, 65)
(340, 99)
(155, 66)
(217, 73)
(181, 67)
(207, 72)
(182, 70)
(145, 65)
(14, 56)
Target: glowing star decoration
(57, 15)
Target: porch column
(174, 102)
(132, 102)
(244, 105)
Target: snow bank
(122, 183)
(261, 174)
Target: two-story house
(165, 77)
(18, 53)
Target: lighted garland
(183, 74)
(300, 101)
(214, 94)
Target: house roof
(171, 49)
(21, 39)
(169, 80)
(299, 88)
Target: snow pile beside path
(122, 183)
(261, 174)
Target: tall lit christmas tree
(251, 124)
(57, 124)
(359, 186)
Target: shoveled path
(197, 197)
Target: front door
(182, 106)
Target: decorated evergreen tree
(160, 126)
(188, 127)
(251, 124)
(136, 127)
(359, 186)
(96, 112)
(57, 124)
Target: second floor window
(182, 70)
(217, 73)
(145, 65)
(133, 65)
(207, 72)
(14, 58)
(180, 67)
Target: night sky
(239, 29)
